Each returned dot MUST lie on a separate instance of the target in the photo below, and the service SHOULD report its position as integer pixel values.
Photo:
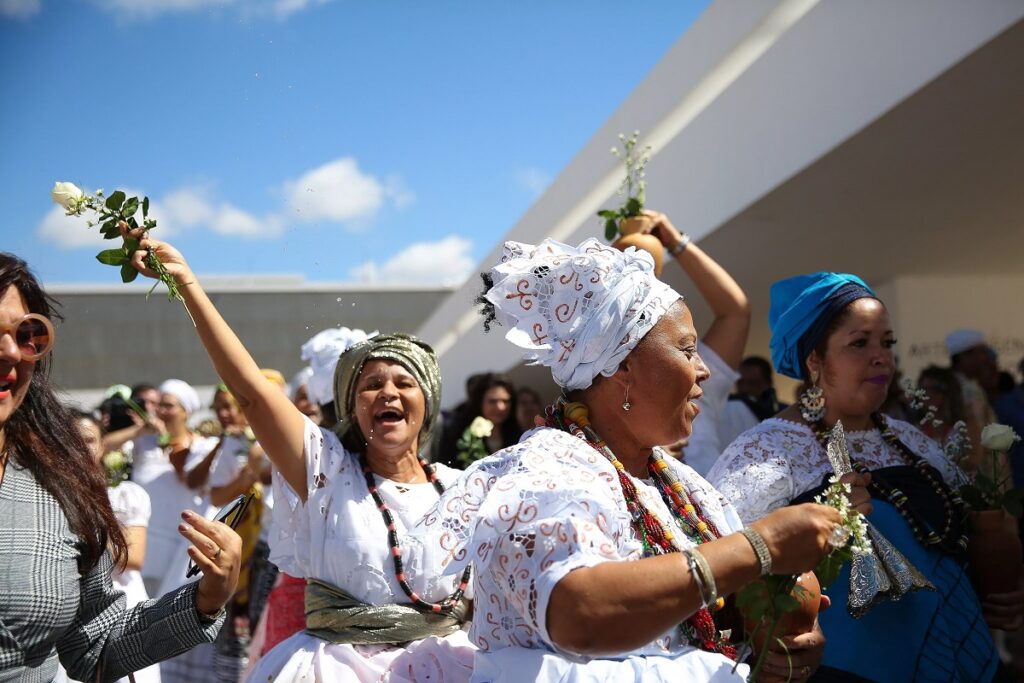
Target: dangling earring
(626, 405)
(812, 401)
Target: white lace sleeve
(755, 474)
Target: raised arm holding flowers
(374, 605)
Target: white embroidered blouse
(530, 514)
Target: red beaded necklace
(449, 603)
(700, 628)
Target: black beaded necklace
(953, 539)
(449, 603)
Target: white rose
(481, 427)
(67, 195)
(997, 437)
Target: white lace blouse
(530, 514)
(768, 466)
(338, 534)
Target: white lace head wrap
(183, 391)
(577, 310)
(322, 352)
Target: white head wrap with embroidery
(183, 391)
(577, 310)
(322, 352)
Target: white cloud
(532, 179)
(447, 262)
(19, 9)
(67, 232)
(285, 8)
(337, 191)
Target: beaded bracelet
(756, 541)
(701, 572)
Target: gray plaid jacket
(49, 610)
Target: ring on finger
(838, 536)
(217, 554)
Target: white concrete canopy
(883, 138)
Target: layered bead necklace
(448, 604)
(699, 629)
(953, 539)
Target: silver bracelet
(680, 246)
(701, 572)
(756, 541)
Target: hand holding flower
(170, 258)
(858, 497)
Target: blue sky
(372, 141)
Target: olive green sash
(337, 617)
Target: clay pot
(792, 623)
(634, 224)
(646, 242)
(994, 550)
(802, 620)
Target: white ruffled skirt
(304, 658)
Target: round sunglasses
(33, 334)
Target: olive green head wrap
(415, 356)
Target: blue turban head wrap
(801, 309)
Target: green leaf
(110, 230)
(131, 244)
(132, 223)
(115, 200)
(608, 213)
(633, 206)
(113, 257)
(611, 229)
(128, 273)
(145, 207)
(786, 603)
(130, 207)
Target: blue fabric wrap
(803, 306)
(925, 636)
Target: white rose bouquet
(471, 446)
(109, 212)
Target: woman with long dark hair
(60, 537)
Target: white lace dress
(768, 466)
(338, 536)
(526, 517)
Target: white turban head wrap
(577, 310)
(322, 352)
(183, 391)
